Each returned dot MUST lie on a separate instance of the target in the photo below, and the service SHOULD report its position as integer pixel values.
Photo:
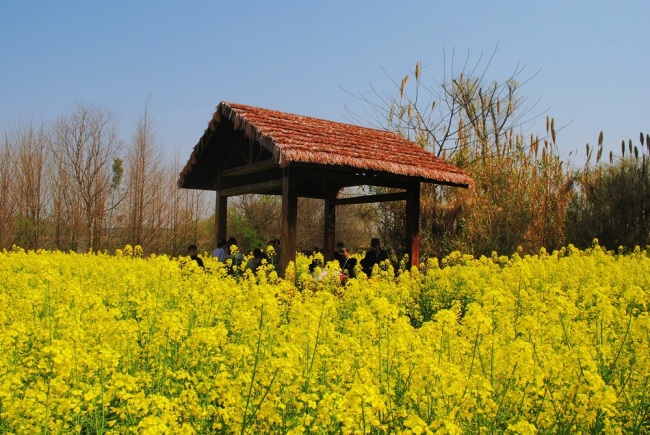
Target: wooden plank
(289, 219)
(249, 169)
(261, 187)
(382, 197)
(235, 139)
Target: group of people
(374, 256)
(223, 253)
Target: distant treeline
(75, 185)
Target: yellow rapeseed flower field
(552, 343)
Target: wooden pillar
(413, 223)
(329, 242)
(220, 214)
(289, 219)
(221, 218)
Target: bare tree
(519, 198)
(8, 197)
(31, 162)
(179, 213)
(66, 213)
(458, 110)
(162, 187)
(84, 147)
(144, 161)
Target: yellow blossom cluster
(552, 343)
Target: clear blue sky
(593, 58)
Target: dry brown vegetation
(75, 185)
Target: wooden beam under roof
(249, 169)
(261, 187)
(382, 197)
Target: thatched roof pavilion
(253, 150)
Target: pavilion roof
(297, 139)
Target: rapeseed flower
(555, 342)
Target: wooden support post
(413, 224)
(329, 242)
(289, 219)
(221, 218)
(220, 214)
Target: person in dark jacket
(193, 252)
(374, 256)
(255, 262)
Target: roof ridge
(328, 121)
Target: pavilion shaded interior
(248, 150)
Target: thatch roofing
(296, 139)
